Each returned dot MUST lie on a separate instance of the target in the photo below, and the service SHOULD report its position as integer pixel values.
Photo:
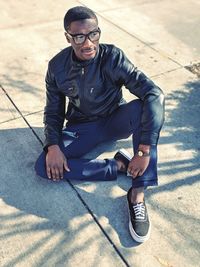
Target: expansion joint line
(21, 115)
(72, 186)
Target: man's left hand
(138, 165)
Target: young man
(91, 76)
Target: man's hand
(139, 164)
(55, 163)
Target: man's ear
(68, 40)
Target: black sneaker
(139, 224)
(123, 156)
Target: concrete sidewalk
(81, 223)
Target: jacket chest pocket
(69, 89)
(94, 92)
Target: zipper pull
(82, 71)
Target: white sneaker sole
(125, 153)
(137, 238)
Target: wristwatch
(141, 153)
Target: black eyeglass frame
(85, 36)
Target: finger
(53, 173)
(57, 174)
(135, 173)
(129, 169)
(66, 166)
(48, 172)
(140, 173)
(61, 173)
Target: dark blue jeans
(79, 139)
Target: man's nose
(87, 42)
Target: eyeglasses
(81, 38)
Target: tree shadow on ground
(181, 174)
(51, 213)
(56, 205)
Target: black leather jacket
(94, 90)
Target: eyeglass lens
(93, 36)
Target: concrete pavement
(81, 223)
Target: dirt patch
(195, 68)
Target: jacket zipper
(83, 91)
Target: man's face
(88, 49)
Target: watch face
(140, 153)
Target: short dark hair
(78, 13)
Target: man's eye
(80, 37)
(93, 34)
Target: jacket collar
(84, 63)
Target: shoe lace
(139, 210)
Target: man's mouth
(88, 51)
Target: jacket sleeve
(140, 85)
(54, 112)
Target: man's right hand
(55, 163)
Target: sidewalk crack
(21, 115)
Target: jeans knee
(40, 166)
